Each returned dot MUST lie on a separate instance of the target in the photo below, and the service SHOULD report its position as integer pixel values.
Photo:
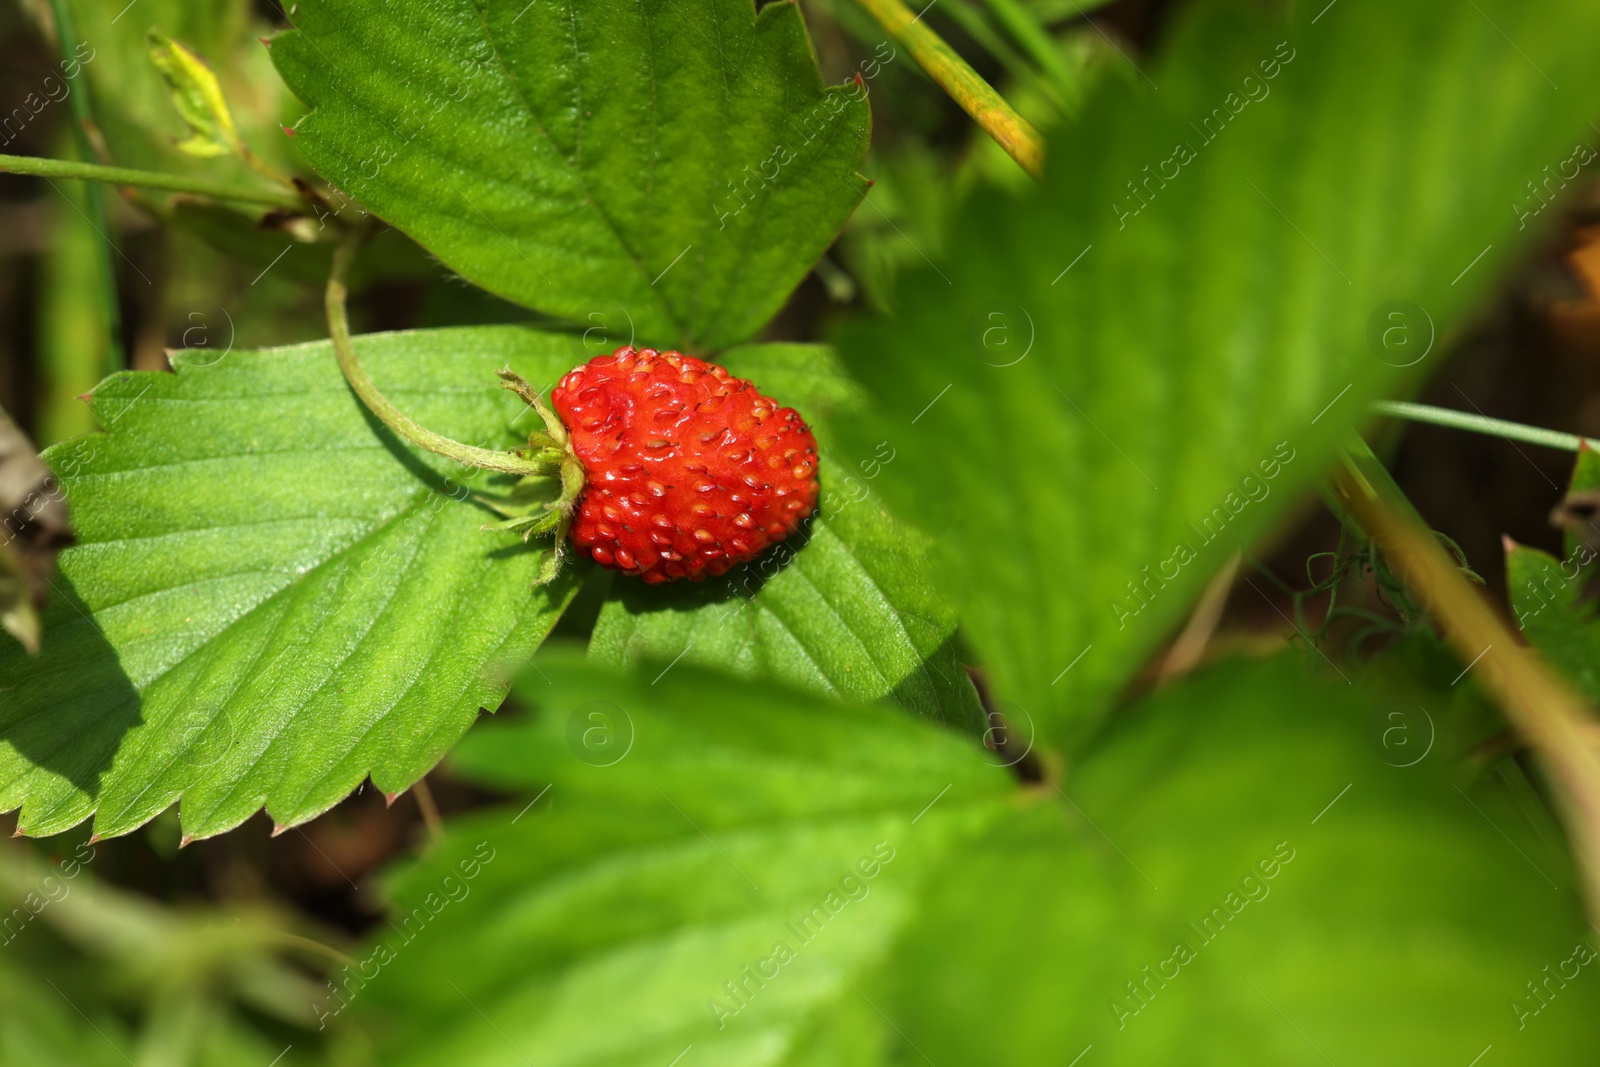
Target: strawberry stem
(149, 179)
(548, 455)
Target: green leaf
(1580, 525)
(270, 598)
(677, 161)
(198, 98)
(1108, 386)
(275, 599)
(927, 907)
(1554, 598)
(845, 609)
(766, 799)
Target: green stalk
(975, 24)
(149, 179)
(965, 86)
(67, 41)
(1026, 30)
(73, 334)
(1540, 706)
(1461, 420)
(309, 945)
(393, 417)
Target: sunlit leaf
(765, 878)
(674, 164)
(1108, 386)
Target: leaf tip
(390, 798)
(278, 828)
(1508, 544)
(183, 842)
(288, 131)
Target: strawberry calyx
(527, 507)
(653, 463)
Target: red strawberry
(668, 467)
(688, 470)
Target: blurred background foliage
(239, 949)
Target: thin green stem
(310, 945)
(149, 179)
(965, 86)
(1026, 29)
(975, 23)
(1461, 420)
(429, 809)
(111, 307)
(344, 348)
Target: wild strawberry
(688, 470)
(669, 467)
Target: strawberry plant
(556, 564)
